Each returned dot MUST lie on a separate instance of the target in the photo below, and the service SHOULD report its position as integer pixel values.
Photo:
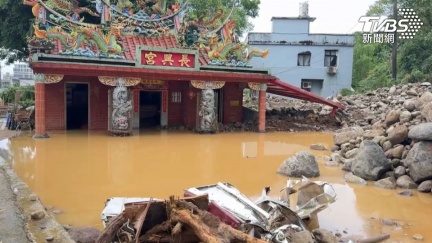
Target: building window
(176, 97)
(304, 58)
(330, 58)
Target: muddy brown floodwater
(76, 172)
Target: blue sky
(333, 16)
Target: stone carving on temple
(112, 81)
(121, 107)
(207, 84)
(207, 112)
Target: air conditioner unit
(306, 85)
(331, 70)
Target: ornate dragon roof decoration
(82, 31)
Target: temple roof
(130, 43)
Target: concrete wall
(283, 55)
(281, 25)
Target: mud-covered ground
(12, 223)
(23, 218)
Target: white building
(6, 81)
(319, 63)
(23, 74)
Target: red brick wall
(232, 92)
(178, 113)
(55, 106)
(175, 114)
(55, 103)
(189, 107)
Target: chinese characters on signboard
(167, 59)
(378, 38)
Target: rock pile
(284, 114)
(388, 137)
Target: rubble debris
(215, 213)
(397, 121)
(185, 221)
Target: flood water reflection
(76, 172)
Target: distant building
(319, 63)
(22, 74)
(6, 81)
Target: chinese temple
(119, 66)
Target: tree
(16, 21)
(381, 7)
(243, 9)
(372, 61)
(15, 26)
(27, 96)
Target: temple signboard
(167, 58)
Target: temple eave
(146, 73)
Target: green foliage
(416, 51)
(242, 10)
(372, 62)
(15, 26)
(27, 96)
(346, 92)
(381, 7)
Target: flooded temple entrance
(77, 106)
(150, 109)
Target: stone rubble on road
(388, 134)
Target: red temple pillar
(262, 108)
(40, 107)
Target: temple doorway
(150, 109)
(77, 106)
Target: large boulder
(84, 234)
(398, 134)
(424, 99)
(405, 182)
(409, 105)
(425, 186)
(386, 183)
(392, 117)
(421, 132)
(419, 161)
(370, 162)
(426, 112)
(300, 164)
(342, 136)
(405, 116)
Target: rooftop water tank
(304, 10)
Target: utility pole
(394, 49)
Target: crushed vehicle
(266, 219)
